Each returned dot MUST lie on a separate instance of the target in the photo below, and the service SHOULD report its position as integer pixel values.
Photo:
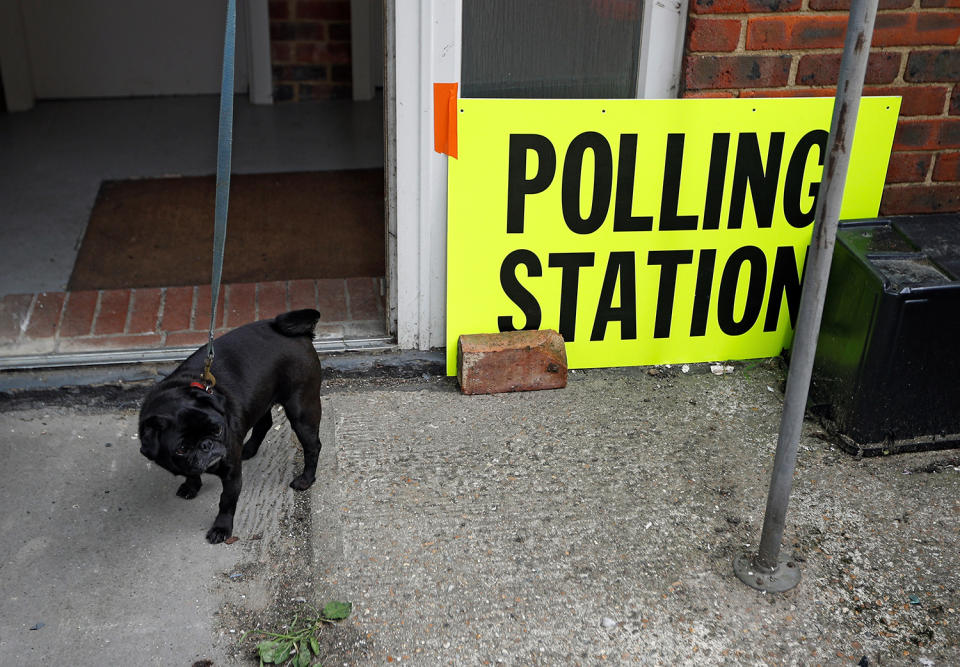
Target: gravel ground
(598, 524)
(591, 525)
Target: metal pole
(767, 570)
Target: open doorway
(114, 175)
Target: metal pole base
(782, 578)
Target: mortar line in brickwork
(60, 317)
(96, 314)
(161, 309)
(928, 177)
(193, 307)
(225, 298)
(131, 302)
(903, 67)
(349, 309)
(25, 323)
(792, 75)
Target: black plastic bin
(887, 371)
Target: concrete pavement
(590, 525)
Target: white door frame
(261, 67)
(14, 61)
(18, 79)
(424, 47)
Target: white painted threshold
(174, 354)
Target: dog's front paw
(189, 489)
(218, 534)
(301, 483)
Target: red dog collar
(200, 385)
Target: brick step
(174, 317)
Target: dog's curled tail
(297, 322)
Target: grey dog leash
(224, 150)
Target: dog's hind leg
(305, 419)
(190, 488)
(257, 434)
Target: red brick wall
(310, 49)
(776, 48)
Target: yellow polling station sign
(645, 231)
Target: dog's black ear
(150, 430)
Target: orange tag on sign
(445, 118)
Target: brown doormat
(158, 232)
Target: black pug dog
(190, 427)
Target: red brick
(908, 167)
(121, 342)
(511, 361)
(279, 10)
(824, 69)
(303, 294)
(917, 199)
(916, 134)
(737, 72)
(945, 4)
(145, 311)
(947, 167)
(177, 309)
(271, 299)
(186, 339)
(709, 94)
(78, 314)
(201, 312)
(710, 34)
(949, 134)
(241, 304)
(46, 314)
(323, 91)
(844, 5)
(743, 6)
(14, 314)
(323, 10)
(364, 295)
(790, 92)
(300, 73)
(313, 53)
(112, 313)
(795, 32)
(916, 100)
(296, 31)
(803, 31)
(281, 53)
(332, 299)
(955, 101)
(935, 65)
(916, 29)
(931, 134)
